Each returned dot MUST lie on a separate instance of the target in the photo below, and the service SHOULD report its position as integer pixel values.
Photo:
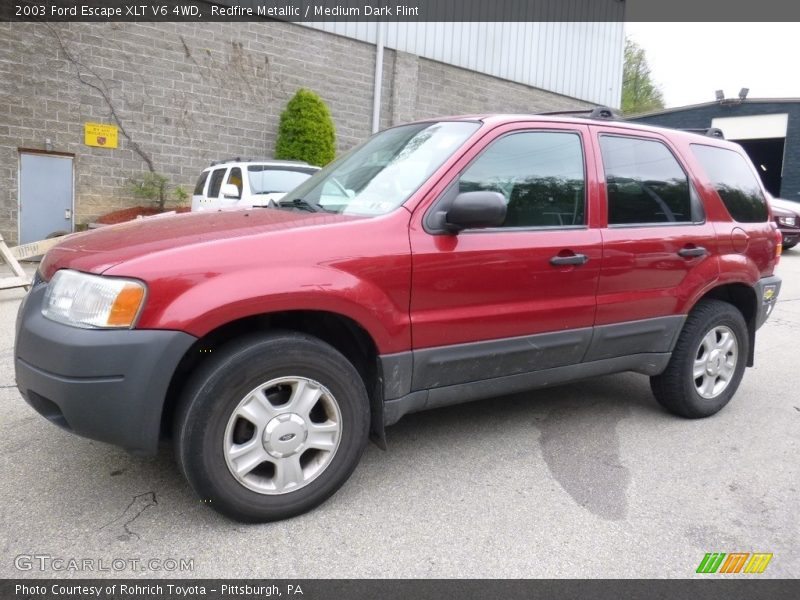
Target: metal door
(45, 192)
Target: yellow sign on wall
(100, 135)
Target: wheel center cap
(714, 363)
(285, 435)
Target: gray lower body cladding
(434, 377)
(106, 385)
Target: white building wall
(578, 59)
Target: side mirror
(230, 191)
(476, 209)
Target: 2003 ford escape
(439, 262)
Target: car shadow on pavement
(576, 427)
(572, 429)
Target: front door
(494, 302)
(45, 192)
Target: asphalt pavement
(591, 479)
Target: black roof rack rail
(227, 160)
(605, 113)
(252, 159)
(598, 112)
(708, 131)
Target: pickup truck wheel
(272, 426)
(707, 363)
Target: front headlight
(92, 301)
(788, 221)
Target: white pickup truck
(244, 183)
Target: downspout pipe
(376, 97)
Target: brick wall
(188, 93)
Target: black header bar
(743, 587)
(401, 10)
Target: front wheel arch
(208, 447)
(346, 335)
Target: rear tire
(789, 246)
(271, 426)
(707, 363)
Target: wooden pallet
(12, 256)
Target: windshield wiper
(300, 204)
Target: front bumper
(108, 385)
(767, 290)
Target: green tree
(639, 92)
(306, 130)
(154, 187)
(150, 186)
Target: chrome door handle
(692, 252)
(575, 259)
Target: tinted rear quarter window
(735, 182)
(201, 183)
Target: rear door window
(735, 182)
(214, 185)
(646, 184)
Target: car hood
(264, 199)
(777, 211)
(98, 250)
(787, 205)
(259, 200)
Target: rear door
(658, 246)
(493, 302)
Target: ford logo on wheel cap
(287, 437)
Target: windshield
(379, 175)
(269, 180)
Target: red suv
(439, 262)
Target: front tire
(272, 426)
(707, 364)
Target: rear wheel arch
(707, 363)
(743, 297)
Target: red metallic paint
(391, 276)
(206, 270)
(498, 283)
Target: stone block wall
(185, 94)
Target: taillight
(778, 246)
